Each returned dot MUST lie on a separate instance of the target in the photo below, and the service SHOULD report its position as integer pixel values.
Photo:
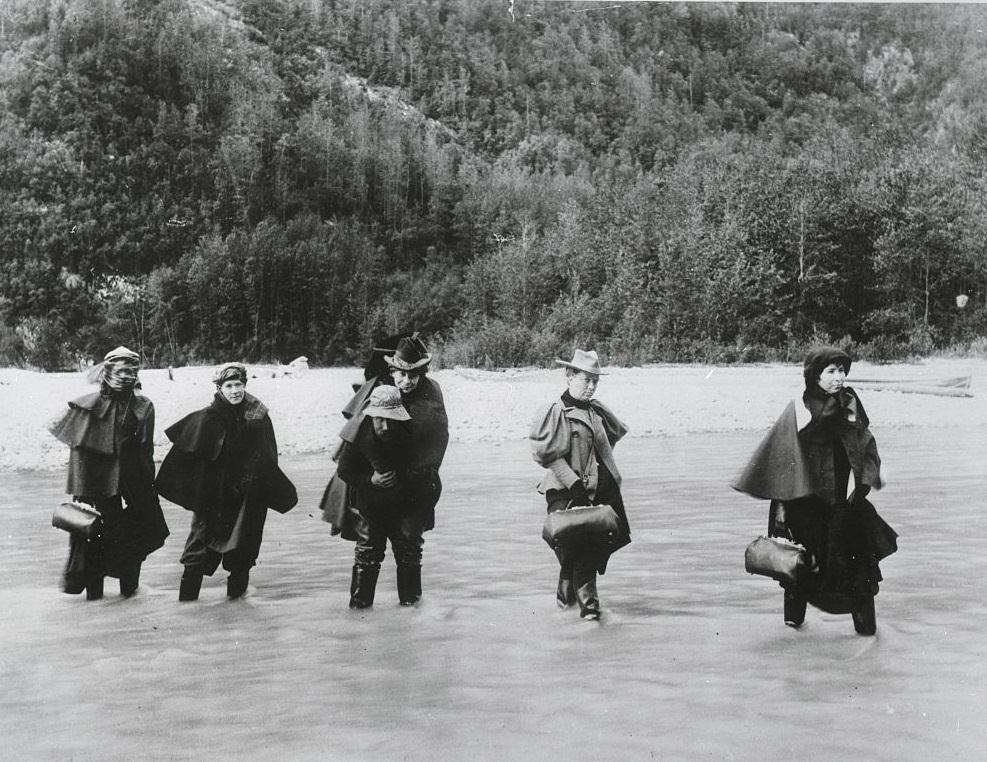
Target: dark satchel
(77, 518)
(776, 557)
(590, 524)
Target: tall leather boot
(565, 593)
(94, 587)
(236, 583)
(864, 616)
(363, 585)
(586, 595)
(794, 609)
(409, 584)
(191, 584)
(129, 579)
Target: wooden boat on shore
(954, 386)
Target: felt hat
(410, 354)
(588, 362)
(385, 402)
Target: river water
(691, 660)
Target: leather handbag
(77, 518)
(776, 557)
(585, 524)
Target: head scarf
(229, 371)
(114, 362)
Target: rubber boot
(236, 584)
(363, 585)
(586, 596)
(73, 583)
(864, 616)
(409, 584)
(191, 584)
(94, 587)
(129, 579)
(794, 609)
(565, 593)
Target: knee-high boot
(236, 583)
(94, 586)
(363, 585)
(191, 584)
(794, 609)
(584, 580)
(130, 578)
(565, 593)
(864, 616)
(409, 584)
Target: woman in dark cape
(110, 434)
(405, 367)
(223, 466)
(817, 466)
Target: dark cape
(802, 474)
(111, 453)
(220, 456)
(429, 434)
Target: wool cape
(429, 433)
(794, 469)
(781, 468)
(212, 460)
(111, 452)
(551, 436)
(550, 439)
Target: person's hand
(383, 480)
(578, 495)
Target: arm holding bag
(776, 557)
(597, 523)
(77, 518)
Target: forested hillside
(261, 179)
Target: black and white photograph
(443, 380)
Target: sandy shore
(664, 400)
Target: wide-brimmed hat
(411, 354)
(588, 362)
(385, 402)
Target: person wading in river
(573, 439)
(110, 434)
(223, 466)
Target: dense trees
(268, 178)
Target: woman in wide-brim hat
(110, 434)
(573, 440)
(415, 495)
(817, 466)
(223, 466)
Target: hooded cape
(192, 472)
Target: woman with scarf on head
(110, 434)
(413, 487)
(817, 465)
(573, 439)
(223, 466)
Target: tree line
(263, 179)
